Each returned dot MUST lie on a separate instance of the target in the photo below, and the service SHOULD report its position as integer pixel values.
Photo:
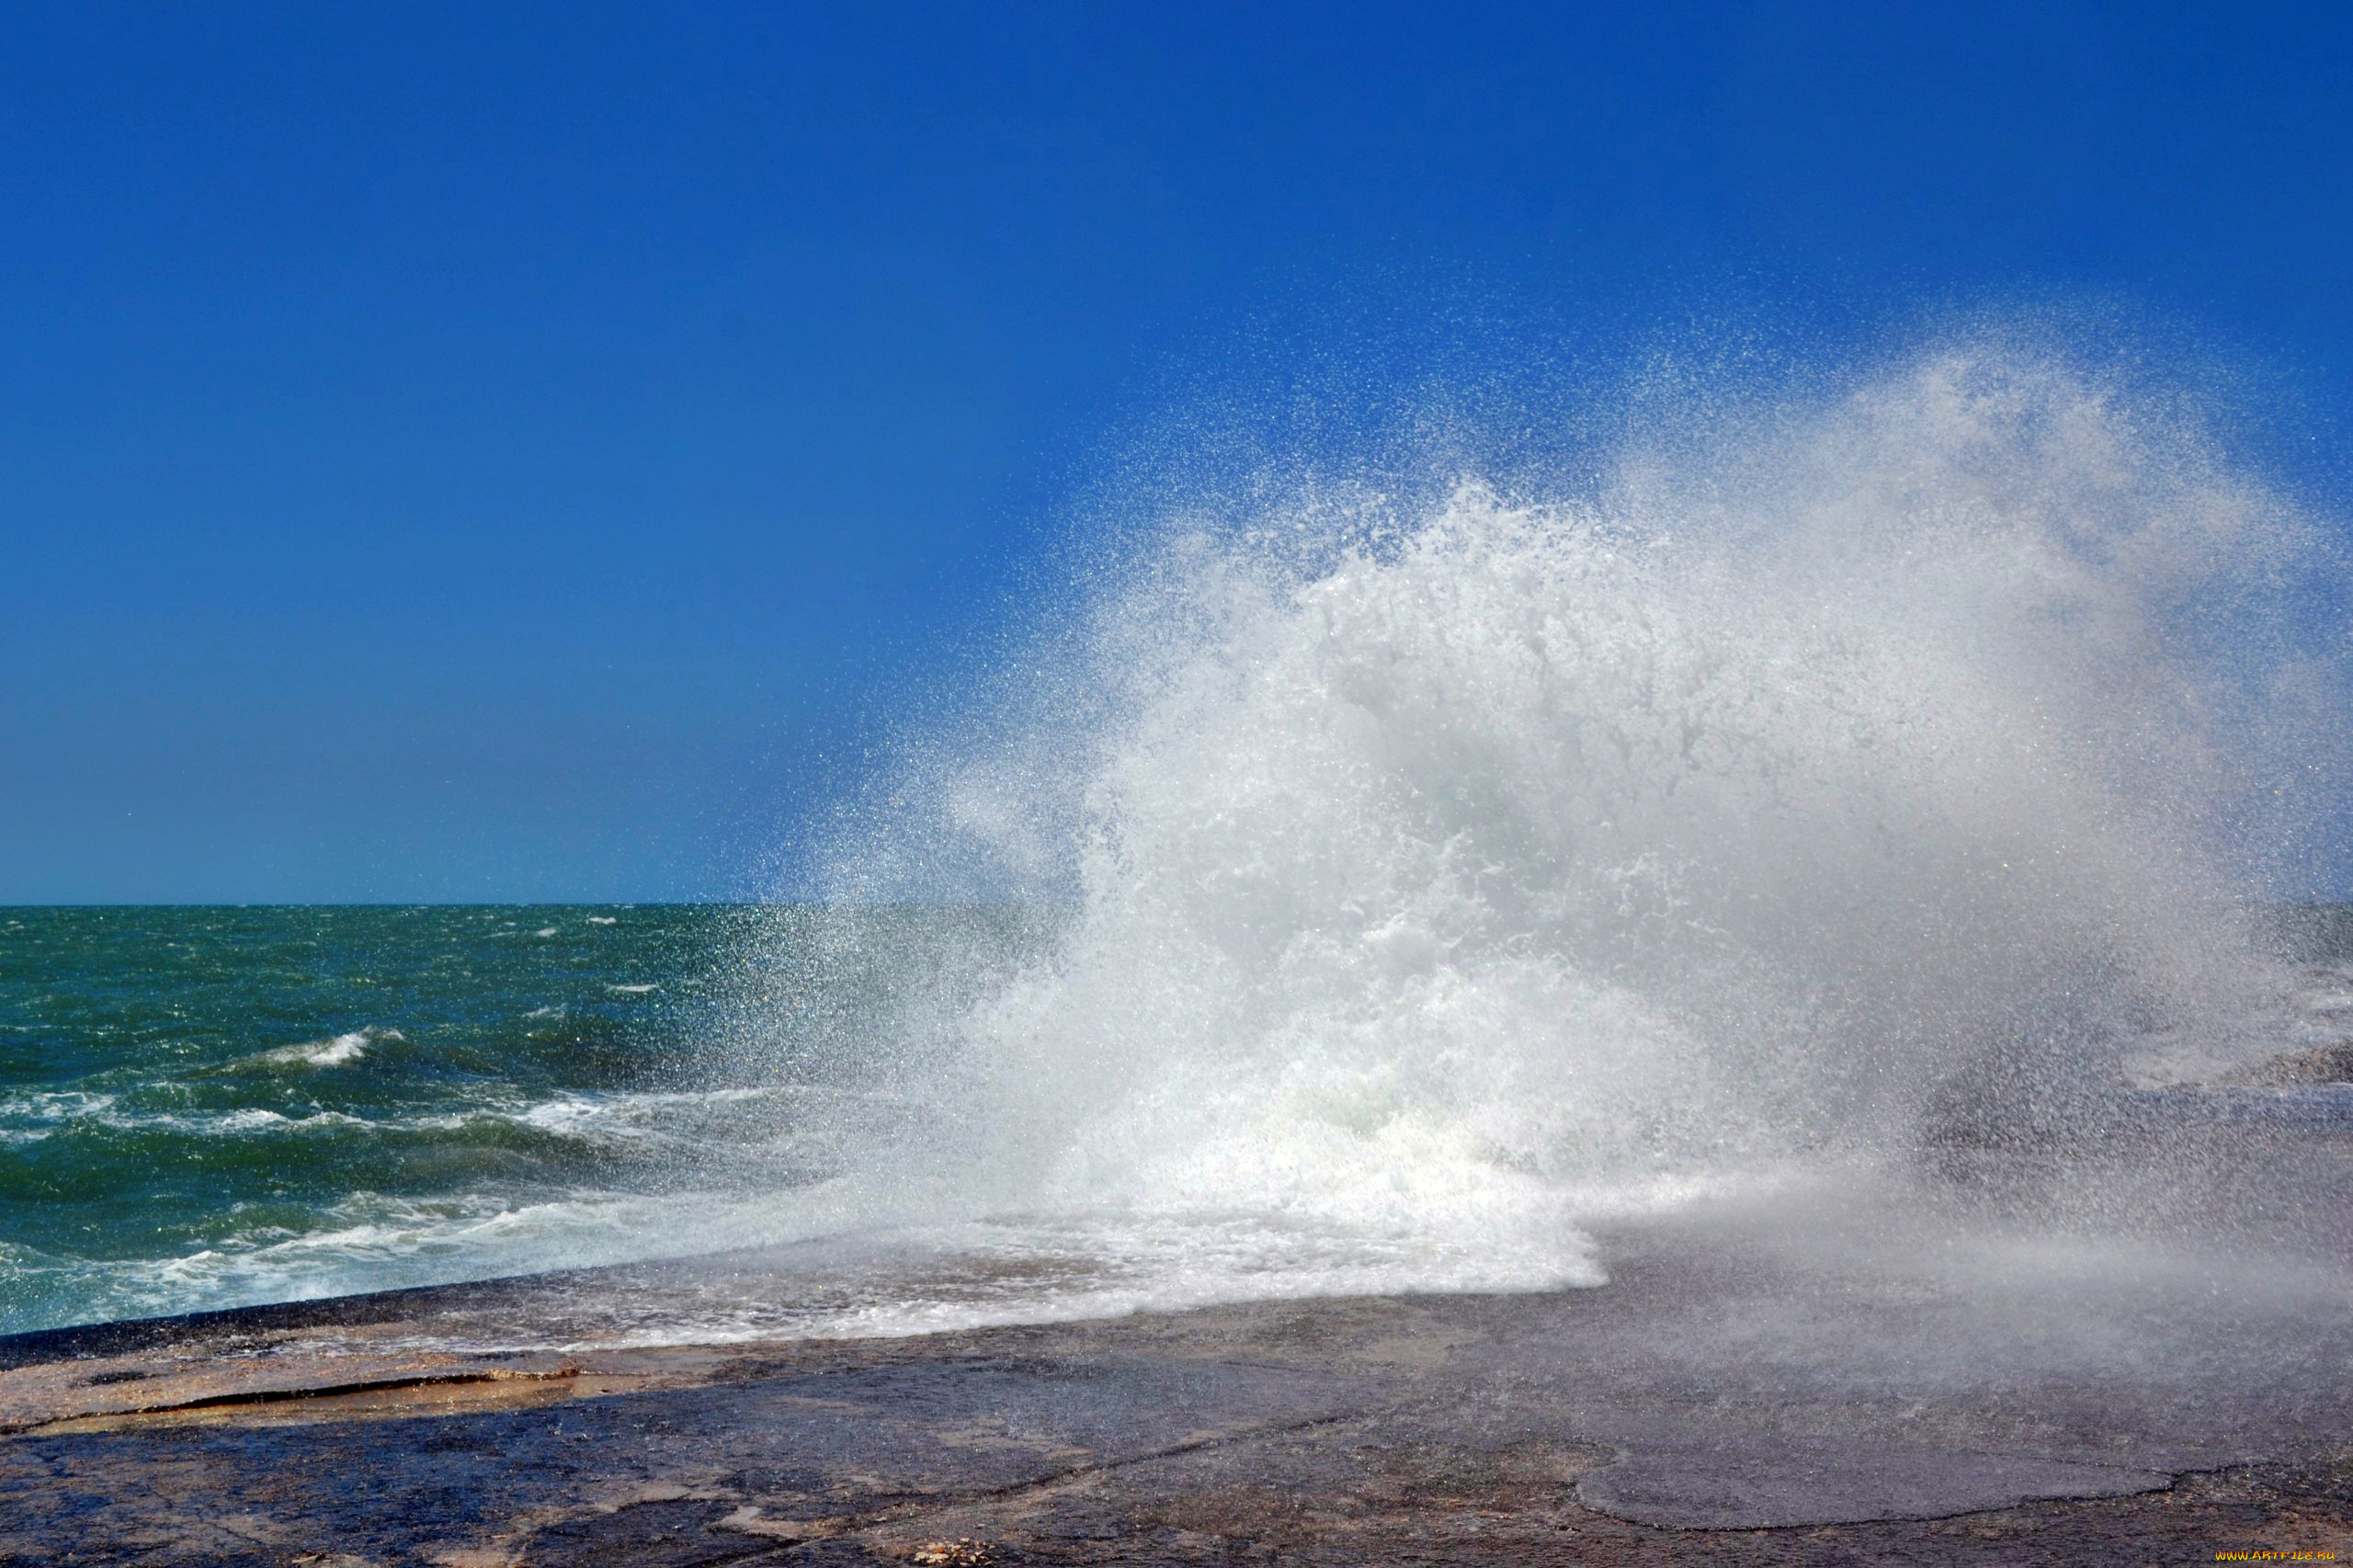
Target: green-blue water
(200, 1106)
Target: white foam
(54, 1105)
(339, 1052)
(374, 1242)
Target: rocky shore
(1759, 1384)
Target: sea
(203, 1107)
(1355, 885)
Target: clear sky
(516, 451)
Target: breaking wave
(1448, 865)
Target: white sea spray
(1445, 871)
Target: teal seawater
(206, 1105)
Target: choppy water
(200, 1107)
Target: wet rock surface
(1767, 1382)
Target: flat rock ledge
(1530, 1429)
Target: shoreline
(1736, 1393)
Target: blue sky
(524, 451)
